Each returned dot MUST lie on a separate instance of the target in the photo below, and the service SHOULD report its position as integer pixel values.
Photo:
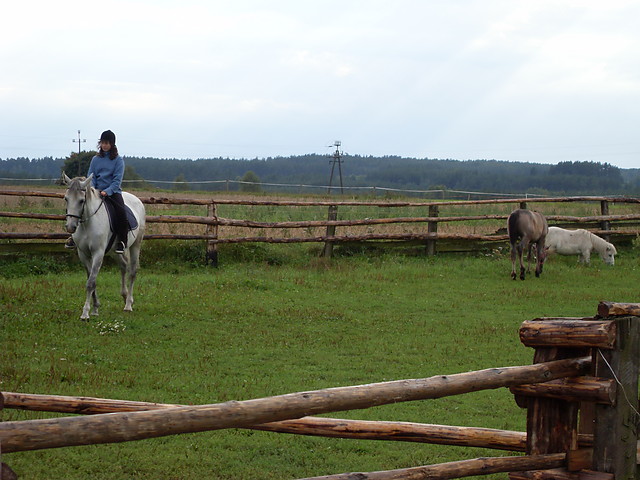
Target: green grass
(275, 320)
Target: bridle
(80, 217)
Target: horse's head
(75, 198)
(609, 254)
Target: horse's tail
(512, 227)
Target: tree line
(564, 178)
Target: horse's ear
(64, 180)
(85, 183)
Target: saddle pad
(133, 223)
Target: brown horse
(526, 228)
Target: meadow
(273, 320)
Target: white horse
(579, 242)
(87, 219)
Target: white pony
(88, 221)
(579, 242)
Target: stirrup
(120, 247)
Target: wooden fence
(434, 238)
(581, 398)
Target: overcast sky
(519, 80)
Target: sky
(540, 81)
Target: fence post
(327, 251)
(432, 227)
(212, 247)
(616, 426)
(605, 224)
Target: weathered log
(610, 309)
(579, 389)
(121, 427)
(463, 468)
(561, 474)
(30, 236)
(40, 216)
(568, 332)
(6, 473)
(619, 422)
(315, 426)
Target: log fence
(580, 396)
(433, 238)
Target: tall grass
(274, 320)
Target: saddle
(111, 214)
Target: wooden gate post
(432, 227)
(212, 247)
(605, 224)
(616, 426)
(327, 251)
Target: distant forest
(564, 178)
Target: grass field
(274, 320)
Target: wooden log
(551, 423)
(432, 227)
(332, 215)
(6, 473)
(463, 468)
(578, 389)
(616, 426)
(315, 426)
(579, 459)
(560, 474)
(567, 332)
(610, 309)
(39, 216)
(121, 427)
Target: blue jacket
(107, 173)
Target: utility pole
(79, 141)
(336, 158)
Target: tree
(133, 180)
(77, 164)
(180, 183)
(253, 182)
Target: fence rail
(567, 382)
(618, 226)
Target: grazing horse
(88, 220)
(526, 228)
(579, 242)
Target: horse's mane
(598, 243)
(74, 185)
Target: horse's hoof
(521, 277)
(84, 319)
(128, 309)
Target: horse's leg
(522, 246)
(92, 265)
(539, 257)
(513, 261)
(134, 257)
(123, 261)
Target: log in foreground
(315, 426)
(463, 468)
(121, 427)
(609, 309)
(568, 332)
